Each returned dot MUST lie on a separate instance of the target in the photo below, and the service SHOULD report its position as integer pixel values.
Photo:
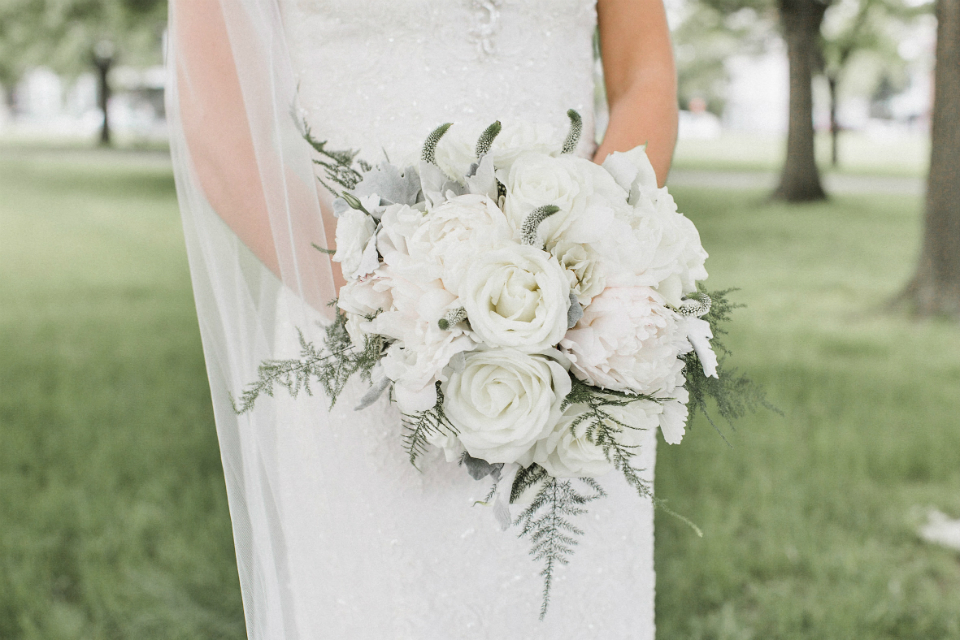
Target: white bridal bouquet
(531, 314)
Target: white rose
(516, 296)
(573, 184)
(504, 401)
(354, 229)
(454, 232)
(627, 340)
(361, 300)
(566, 452)
(581, 263)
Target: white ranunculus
(361, 300)
(573, 184)
(354, 229)
(566, 452)
(504, 401)
(456, 150)
(581, 263)
(517, 138)
(422, 350)
(398, 224)
(456, 231)
(627, 340)
(516, 296)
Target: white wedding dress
(338, 536)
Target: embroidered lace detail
(488, 20)
(380, 75)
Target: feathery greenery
(417, 427)
(337, 165)
(576, 128)
(547, 521)
(487, 137)
(734, 393)
(331, 367)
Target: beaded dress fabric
(376, 548)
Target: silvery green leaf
(574, 311)
(392, 185)
(340, 207)
(483, 181)
(478, 468)
(432, 179)
(373, 393)
(458, 362)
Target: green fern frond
(419, 426)
(735, 394)
(330, 367)
(547, 521)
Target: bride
(336, 534)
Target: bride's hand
(641, 80)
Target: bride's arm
(217, 130)
(641, 80)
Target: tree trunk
(935, 289)
(834, 125)
(103, 97)
(800, 180)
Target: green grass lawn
(859, 154)
(113, 517)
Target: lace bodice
(379, 75)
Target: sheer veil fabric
(336, 534)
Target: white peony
(516, 296)
(354, 230)
(456, 231)
(504, 401)
(627, 340)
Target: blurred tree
(854, 27)
(70, 36)
(800, 25)
(935, 288)
(800, 22)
